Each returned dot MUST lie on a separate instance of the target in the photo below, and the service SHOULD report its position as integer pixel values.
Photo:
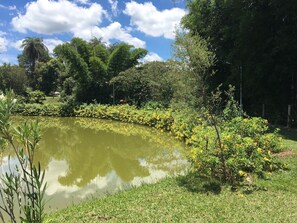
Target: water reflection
(83, 157)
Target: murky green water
(90, 157)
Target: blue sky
(146, 24)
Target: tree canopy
(34, 51)
(257, 37)
(92, 65)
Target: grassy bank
(168, 201)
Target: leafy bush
(64, 109)
(161, 119)
(153, 105)
(35, 97)
(238, 151)
(38, 109)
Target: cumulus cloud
(10, 7)
(4, 59)
(17, 44)
(83, 2)
(113, 31)
(49, 17)
(114, 7)
(116, 31)
(151, 57)
(149, 20)
(3, 42)
(63, 16)
(52, 43)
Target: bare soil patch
(284, 154)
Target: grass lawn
(166, 201)
(52, 100)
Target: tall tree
(96, 41)
(78, 69)
(93, 67)
(151, 81)
(197, 61)
(49, 74)
(34, 51)
(13, 77)
(82, 48)
(257, 39)
(123, 57)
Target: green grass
(168, 201)
(52, 100)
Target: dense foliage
(90, 69)
(34, 51)
(150, 82)
(197, 61)
(239, 151)
(13, 77)
(257, 39)
(81, 71)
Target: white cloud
(150, 21)
(17, 44)
(6, 58)
(52, 43)
(49, 17)
(3, 42)
(151, 57)
(113, 31)
(114, 7)
(10, 7)
(83, 2)
(117, 32)
(61, 16)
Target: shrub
(38, 109)
(240, 150)
(35, 97)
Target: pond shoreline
(168, 201)
(89, 157)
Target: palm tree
(96, 41)
(34, 51)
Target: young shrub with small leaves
(22, 187)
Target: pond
(86, 157)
